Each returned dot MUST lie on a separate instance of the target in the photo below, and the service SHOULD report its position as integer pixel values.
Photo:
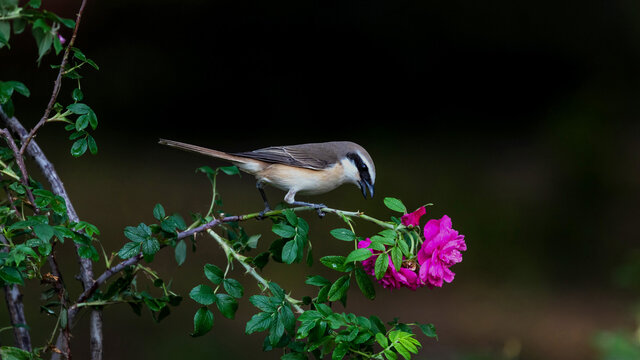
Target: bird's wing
(295, 155)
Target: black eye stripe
(357, 160)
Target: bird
(306, 169)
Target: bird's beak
(364, 185)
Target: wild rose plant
(430, 261)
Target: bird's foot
(261, 214)
(318, 207)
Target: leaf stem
(250, 269)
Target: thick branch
(57, 187)
(15, 307)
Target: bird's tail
(201, 150)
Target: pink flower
(393, 278)
(440, 250)
(62, 39)
(413, 219)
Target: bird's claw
(261, 214)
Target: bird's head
(359, 168)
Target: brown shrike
(306, 169)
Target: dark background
(517, 119)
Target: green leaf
(138, 234)
(263, 303)
(213, 273)
(339, 288)
(158, 212)
(79, 147)
(203, 294)
(150, 246)
(365, 284)
(5, 33)
(93, 119)
(290, 251)
(340, 351)
(291, 217)
(44, 39)
(395, 204)
(284, 230)
(44, 232)
(359, 255)
(129, 250)
(336, 262)
(382, 340)
(381, 265)
(227, 305)
(396, 257)
(233, 287)
(88, 252)
(79, 108)
(252, 242)
(93, 147)
(429, 330)
(230, 170)
(181, 252)
(343, 234)
(14, 353)
(317, 280)
(11, 275)
(259, 322)
(77, 94)
(19, 87)
(82, 122)
(202, 321)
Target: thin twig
(57, 85)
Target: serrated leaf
(91, 143)
(150, 246)
(77, 94)
(395, 204)
(339, 288)
(82, 122)
(317, 280)
(365, 284)
(227, 305)
(382, 340)
(263, 303)
(396, 258)
(259, 322)
(343, 234)
(180, 252)
(14, 353)
(202, 321)
(11, 275)
(79, 108)
(213, 273)
(283, 230)
(290, 252)
(79, 147)
(359, 255)
(203, 294)
(233, 288)
(429, 330)
(158, 212)
(129, 250)
(230, 170)
(381, 265)
(43, 231)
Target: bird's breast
(303, 181)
